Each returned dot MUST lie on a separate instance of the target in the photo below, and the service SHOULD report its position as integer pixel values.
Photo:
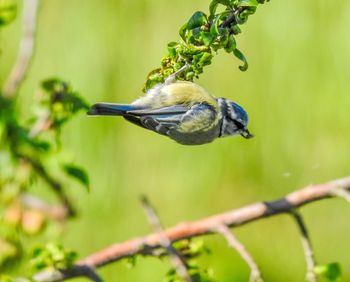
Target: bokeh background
(296, 92)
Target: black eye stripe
(236, 122)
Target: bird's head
(234, 119)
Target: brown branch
(233, 242)
(233, 218)
(43, 124)
(232, 18)
(308, 251)
(26, 49)
(177, 260)
(341, 193)
(55, 212)
(76, 271)
(55, 185)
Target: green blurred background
(296, 92)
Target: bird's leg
(172, 78)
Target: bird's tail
(108, 109)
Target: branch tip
(255, 274)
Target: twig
(177, 260)
(26, 49)
(61, 275)
(55, 185)
(56, 212)
(308, 251)
(233, 218)
(255, 275)
(43, 124)
(232, 18)
(341, 193)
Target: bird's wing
(159, 120)
(201, 117)
(176, 109)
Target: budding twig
(25, 54)
(177, 260)
(308, 251)
(152, 242)
(55, 212)
(255, 275)
(61, 275)
(342, 193)
(55, 185)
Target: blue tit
(183, 111)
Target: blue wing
(175, 118)
(159, 120)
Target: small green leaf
(331, 271)
(197, 20)
(52, 256)
(172, 49)
(182, 31)
(212, 8)
(240, 56)
(231, 44)
(214, 29)
(77, 173)
(248, 8)
(130, 262)
(206, 37)
(8, 11)
(205, 59)
(248, 3)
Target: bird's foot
(172, 78)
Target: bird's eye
(238, 124)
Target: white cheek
(231, 113)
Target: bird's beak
(246, 134)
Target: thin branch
(76, 271)
(25, 54)
(308, 251)
(43, 124)
(255, 275)
(341, 193)
(233, 218)
(55, 185)
(55, 212)
(177, 260)
(232, 18)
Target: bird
(183, 111)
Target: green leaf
(212, 8)
(240, 56)
(77, 173)
(248, 8)
(214, 4)
(331, 271)
(248, 3)
(172, 49)
(206, 38)
(205, 59)
(52, 256)
(60, 101)
(214, 29)
(8, 11)
(231, 44)
(8, 251)
(197, 20)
